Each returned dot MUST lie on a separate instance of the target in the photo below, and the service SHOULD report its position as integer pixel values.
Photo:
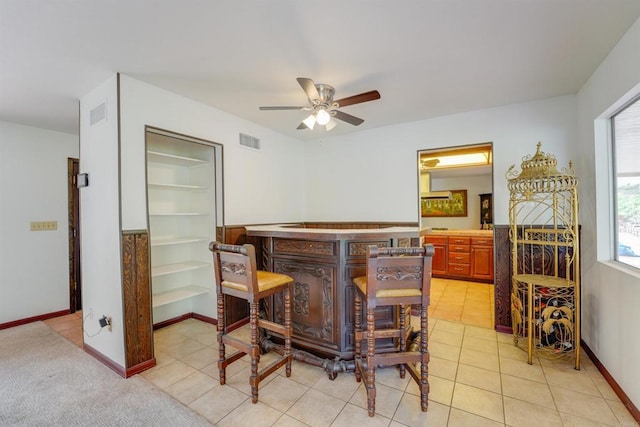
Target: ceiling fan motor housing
(326, 93)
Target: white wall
(100, 223)
(34, 267)
(475, 185)
(373, 175)
(610, 293)
(259, 186)
(262, 186)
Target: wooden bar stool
(236, 274)
(399, 277)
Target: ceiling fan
(323, 107)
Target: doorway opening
(455, 203)
(451, 182)
(75, 283)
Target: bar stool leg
(221, 350)
(424, 358)
(403, 341)
(371, 362)
(255, 351)
(357, 333)
(287, 325)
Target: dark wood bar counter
(323, 263)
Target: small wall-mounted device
(82, 180)
(105, 321)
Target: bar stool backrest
(234, 267)
(399, 275)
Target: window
(625, 126)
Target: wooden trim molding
(204, 318)
(200, 317)
(105, 360)
(230, 327)
(26, 320)
(626, 401)
(172, 321)
(197, 316)
(134, 370)
(502, 278)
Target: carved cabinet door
(314, 289)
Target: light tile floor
(69, 326)
(477, 377)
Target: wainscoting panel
(136, 286)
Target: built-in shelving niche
(184, 199)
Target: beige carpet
(46, 380)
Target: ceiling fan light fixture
(323, 117)
(323, 107)
(310, 121)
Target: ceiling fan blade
(286, 107)
(372, 95)
(309, 88)
(347, 118)
(302, 126)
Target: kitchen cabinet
(465, 256)
(439, 260)
(459, 260)
(482, 258)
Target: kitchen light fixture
(475, 156)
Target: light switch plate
(44, 225)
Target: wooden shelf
(164, 298)
(162, 270)
(178, 187)
(178, 213)
(156, 156)
(178, 241)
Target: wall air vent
(98, 114)
(249, 141)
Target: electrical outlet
(109, 324)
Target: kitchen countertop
(458, 232)
(299, 232)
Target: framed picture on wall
(457, 206)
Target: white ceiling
(426, 57)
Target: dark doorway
(75, 285)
